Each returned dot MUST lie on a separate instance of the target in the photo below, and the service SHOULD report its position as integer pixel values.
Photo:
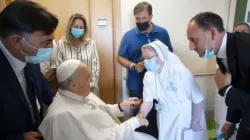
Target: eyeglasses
(142, 59)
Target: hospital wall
(177, 31)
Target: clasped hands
(131, 103)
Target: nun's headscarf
(163, 52)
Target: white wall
(174, 16)
(247, 10)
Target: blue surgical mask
(151, 65)
(77, 32)
(42, 54)
(209, 53)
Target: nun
(180, 108)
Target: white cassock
(72, 117)
(175, 90)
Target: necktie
(221, 65)
(31, 93)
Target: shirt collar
(71, 95)
(223, 48)
(154, 30)
(16, 64)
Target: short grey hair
(65, 84)
(148, 47)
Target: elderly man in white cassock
(77, 114)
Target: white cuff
(133, 122)
(229, 122)
(115, 110)
(227, 91)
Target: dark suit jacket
(238, 97)
(15, 116)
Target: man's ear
(72, 84)
(15, 41)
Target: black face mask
(143, 26)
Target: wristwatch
(132, 66)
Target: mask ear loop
(21, 50)
(29, 44)
(207, 45)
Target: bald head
(74, 76)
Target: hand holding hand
(143, 121)
(130, 103)
(196, 126)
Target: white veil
(164, 54)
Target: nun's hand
(196, 126)
(139, 67)
(143, 121)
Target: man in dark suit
(207, 37)
(26, 35)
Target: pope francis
(77, 114)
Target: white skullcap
(66, 69)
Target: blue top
(130, 48)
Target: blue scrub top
(130, 48)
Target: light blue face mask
(77, 32)
(42, 54)
(151, 65)
(209, 53)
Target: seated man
(77, 114)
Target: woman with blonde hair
(76, 44)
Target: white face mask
(43, 54)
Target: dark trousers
(244, 132)
(152, 128)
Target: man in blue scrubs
(130, 56)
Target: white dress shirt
(223, 55)
(18, 67)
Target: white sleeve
(64, 127)
(60, 127)
(115, 110)
(54, 55)
(148, 87)
(192, 89)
